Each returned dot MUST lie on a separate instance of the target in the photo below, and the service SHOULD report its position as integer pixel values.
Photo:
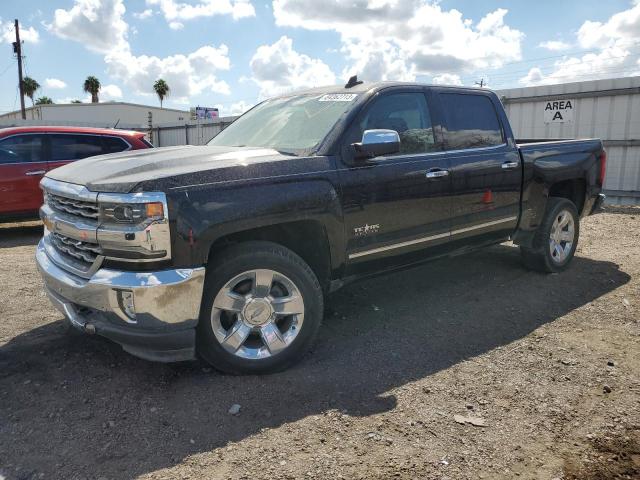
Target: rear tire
(554, 243)
(261, 310)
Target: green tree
(76, 101)
(162, 89)
(92, 86)
(44, 101)
(29, 87)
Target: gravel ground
(469, 367)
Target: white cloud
(176, 25)
(110, 92)
(534, 77)
(146, 13)
(187, 75)
(8, 34)
(100, 26)
(622, 26)
(399, 40)
(55, 83)
(617, 47)
(555, 45)
(240, 107)
(447, 79)
(278, 68)
(175, 10)
(97, 24)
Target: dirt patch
(610, 457)
(398, 360)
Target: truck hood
(121, 172)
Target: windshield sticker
(338, 97)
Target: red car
(27, 153)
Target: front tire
(556, 239)
(261, 310)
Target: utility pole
(481, 83)
(17, 49)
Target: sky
(231, 54)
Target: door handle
(509, 165)
(35, 172)
(437, 173)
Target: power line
(566, 54)
(542, 67)
(553, 78)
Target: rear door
(394, 206)
(69, 147)
(22, 166)
(486, 173)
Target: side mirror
(377, 142)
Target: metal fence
(164, 135)
(192, 133)
(606, 109)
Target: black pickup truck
(227, 250)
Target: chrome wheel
(562, 236)
(257, 314)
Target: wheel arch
(307, 238)
(573, 189)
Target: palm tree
(29, 87)
(44, 101)
(92, 86)
(162, 89)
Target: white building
(607, 109)
(104, 114)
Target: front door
(22, 166)
(396, 206)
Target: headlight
(134, 226)
(132, 213)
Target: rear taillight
(603, 167)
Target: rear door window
(471, 121)
(114, 144)
(74, 147)
(25, 148)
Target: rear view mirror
(377, 142)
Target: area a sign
(559, 111)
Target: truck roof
(68, 129)
(372, 87)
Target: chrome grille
(72, 206)
(87, 252)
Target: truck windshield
(294, 125)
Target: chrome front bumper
(166, 304)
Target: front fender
(205, 216)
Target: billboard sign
(204, 113)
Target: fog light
(126, 303)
